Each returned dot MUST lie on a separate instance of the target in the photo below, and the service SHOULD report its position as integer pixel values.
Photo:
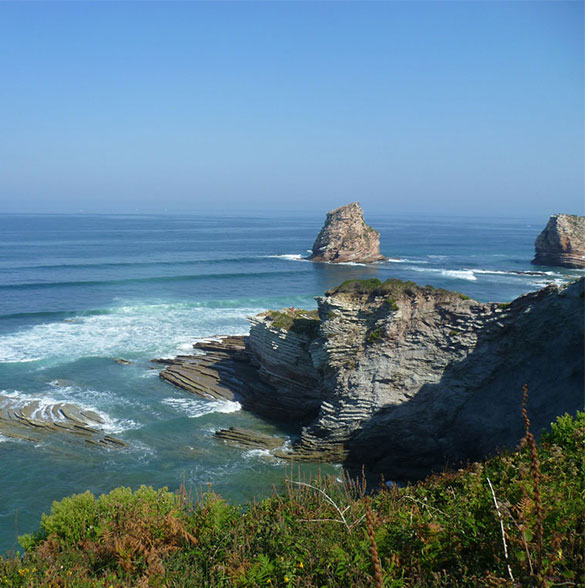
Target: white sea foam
(74, 395)
(263, 454)
(405, 260)
(188, 346)
(459, 274)
(195, 407)
(352, 263)
(157, 329)
(289, 256)
(463, 274)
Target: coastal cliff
(346, 237)
(415, 378)
(407, 379)
(562, 242)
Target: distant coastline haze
(462, 108)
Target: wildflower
(301, 565)
(286, 579)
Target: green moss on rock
(298, 321)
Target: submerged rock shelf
(34, 419)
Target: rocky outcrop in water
(249, 439)
(34, 419)
(345, 237)
(562, 242)
(408, 379)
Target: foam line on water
(288, 256)
(471, 274)
(405, 260)
(195, 408)
(462, 274)
(149, 280)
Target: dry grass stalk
(341, 513)
(373, 546)
(501, 529)
(535, 469)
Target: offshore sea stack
(562, 242)
(345, 237)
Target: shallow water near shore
(77, 292)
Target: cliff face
(407, 379)
(345, 236)
(280, 342)
(562, 242)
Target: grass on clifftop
(443, 532)
(301, 322)
(374, 287)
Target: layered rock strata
(345, 237)
(34, 419)
(249, 439)
(407, 379)
(228, 368)
(417, 378)
(562, 242)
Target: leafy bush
(442, 532)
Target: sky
(468, 108)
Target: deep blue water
(78, 291)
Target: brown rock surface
(249, 439)
(345, 236)
(34, 418)
(562, 242)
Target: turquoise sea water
(78, 291)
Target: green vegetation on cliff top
(301, 322)
(442, 532)
(374, 287)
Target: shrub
(444, 531)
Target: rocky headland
(562, 242)
(401, 378)
(346, 237)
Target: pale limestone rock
(562, 242)
(345, 236)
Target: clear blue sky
(454, 107)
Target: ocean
(79, 291)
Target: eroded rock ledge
(562, 242)
(345, 237)
(34, 419)
(406, 379)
